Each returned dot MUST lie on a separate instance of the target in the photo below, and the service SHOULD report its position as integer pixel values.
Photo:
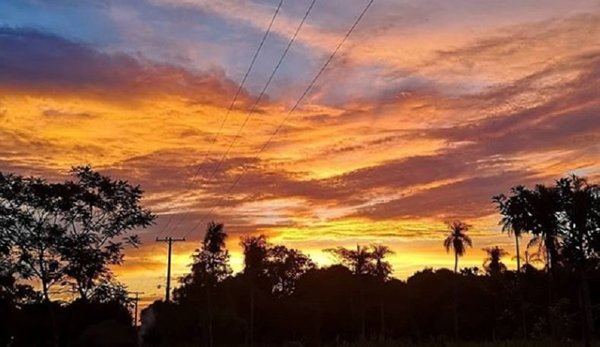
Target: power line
(260, 96)
(235, 97)
(300, 99)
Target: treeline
(281, 296)
(66, 236)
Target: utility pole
(169, 240)
(135, 300)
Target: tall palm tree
(544, 204)
(580, 222)
(516, 221)
(255, 259)
(515, 216)
(382, 270)
(217, 267)
(457, 240)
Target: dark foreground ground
(531, 343)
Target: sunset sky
(429, 108)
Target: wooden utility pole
(135, 300)
(169, 240)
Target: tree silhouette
(210, 262)
(457, 240)
(544, 206)
(358, 260)
(28, 214)
(97, 213)
(381, 268)
(284, 267)
(256, 251)
(516, 221)
(69, 232)
(515, 211)
(210, 266)
(580, 223)
(493, 262)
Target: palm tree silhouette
(457, 240)
(580, 203)
(545, 205)
(216, 267)
(255, 250)
(382, 269)
(515, 216)
(493, 263)
(357, 260)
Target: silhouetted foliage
(357, 300)
(281, 296)
(66, 235)
(493, 264)
(70, 232)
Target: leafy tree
(358, 260)
(30, 229)
(256, 251)
(544, 206)
(515, 215)
(97, 213)
(210, 266)
(69, 232)
(210, 262)
(580, 223)
(110, 291)
(457, 240)
(493, 262)
(382, 269)
(365, 261)
(285, 266)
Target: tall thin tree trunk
(45, 290)
(520, 290)
(455, 305)
(252, 308)
(586, 308)
(549, 273)
(382, 319)
(455, 262)
(363, 327)
(210, 315)
(518, 253)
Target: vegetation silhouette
(67, 235)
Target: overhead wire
(233, 101)
(260, 96)
(300, 99)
